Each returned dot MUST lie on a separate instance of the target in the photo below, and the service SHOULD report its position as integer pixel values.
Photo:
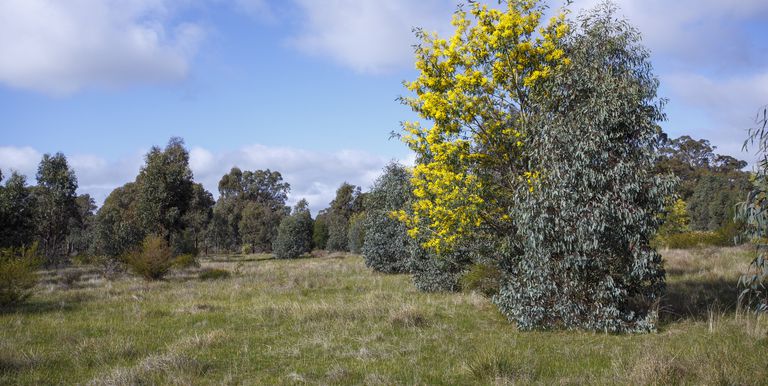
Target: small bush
(483, 278)
(152, 260)
(214, 274)
(186, 261)
(246, 249)
(17, 274)
(696, 239)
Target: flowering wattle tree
(539, 158)
(475, 89)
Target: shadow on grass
(695, 299)
(35, 306)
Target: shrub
(153, 259)
(294, 235)
(246, 249)
(386, 241)
(187, 260)
(483, 278)
(214, 274)
(436, 274)
(17, 274)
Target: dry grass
(329, 320)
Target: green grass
(329, 320)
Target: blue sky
(306, 87)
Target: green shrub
(246, 249)
(187, 260)
(214, 274)
(483, 278)
(386, 241)
(152, 260)
(17, 274)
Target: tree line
(165, 201)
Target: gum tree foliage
(17, 212)
(249, 210)
(320, 231)
(586, 222)
(55, 204)
(163, 201)
(197, 218)
(294, 235)
(165, 189)
(81, 226)
(117, 228)
(753, 213)
(386, 245)
(347, 202)
(540, 160)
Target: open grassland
(329, 320)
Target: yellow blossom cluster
(474, 88)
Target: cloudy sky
(305, 87)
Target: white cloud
(59, 47)
(313, 175)
(368, 36)
(21, 159)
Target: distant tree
(118, 227)
(56, 204)
(386, 245)
(294, 235)
(713, 202)
(165, 189)
(250, 208)
(258, 225)
(197, 219)
(17, 213)
(347, 202)
(81, 227)
(320, 231)
(710, 183)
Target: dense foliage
(587, 222)
(386, 245)
(753, 213)
(164, 200)
(294, 235)
(711, 184)
(348, 201)
(249, 210)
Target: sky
(305, 87)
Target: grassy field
(329, 320)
